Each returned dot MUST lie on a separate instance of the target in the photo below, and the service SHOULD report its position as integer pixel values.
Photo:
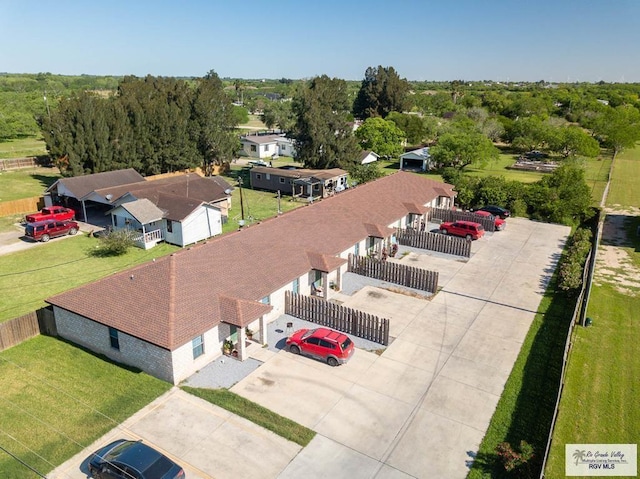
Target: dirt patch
(614, 263)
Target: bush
(571, 267)
(115, 243)
(514, 461)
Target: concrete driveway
(207, 441)
(422, 407)
(418, 409)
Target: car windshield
(345, 344)
(308, 333)
(159, 468)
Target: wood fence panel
(434, 242)
(395, 273)
(24, 205)
(19, 329)
(443, 214)
(336, 316)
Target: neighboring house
(416, 160)
(71, 191)
(267, 146)
(299, 182)
(180, 210)
(368, 157)
(170, 317)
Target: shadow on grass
(104, 358)
(526, 407)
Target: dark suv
(45, 230)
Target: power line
(20, 460)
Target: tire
(294, 349)
(73, 231)
(45, 238)
(469, 237)
(444, 232)
(331, 361)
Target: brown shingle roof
(170, 301)
(81, 186)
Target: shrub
(514, 461)
(115, 243)
(572, 263)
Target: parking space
(422, 407)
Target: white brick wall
(158, 362)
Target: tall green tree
(572, 141)
(323, 133)
(381, 92)
(463, 148)
(416, 129)
(278, 114)
(381, 136)
(562, 197)
(619, 127)
(214, 123)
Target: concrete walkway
(422, 407)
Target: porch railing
(149, 237)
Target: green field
(56, 399)
(26, 182)
(22, 148)
(625, 187)
(28, 277)
(599, 403)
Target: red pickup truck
(58, 213)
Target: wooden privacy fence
(434, 242)
(443, 214)
(335, 316)
(409, 276)
(20, 329)
(24, 205)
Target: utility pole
(241, 222)
(279, 209)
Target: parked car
(59, 213)
(45, 230)
(324, 344)
(496, 211)
(466, 229)
(500, 224)
(124, 459)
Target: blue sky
(560, 40)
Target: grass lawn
(525, 409)
(22, 148)
(52, 409)
(261, 416)
(624, 189)
(600, 396)
(28, 277)
(599, 402)
(257, 205)
(26, 183)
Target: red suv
(323, 344)
(466, 229)
(45, 230)
(500, 224)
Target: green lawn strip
(525, 409)
(57, 398)
(624, 190)
(255, 413)
(28, 277)
(22, 147)
(26, 182)
(600, 396)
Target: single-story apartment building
(299, 182)
(170, 317)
